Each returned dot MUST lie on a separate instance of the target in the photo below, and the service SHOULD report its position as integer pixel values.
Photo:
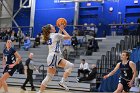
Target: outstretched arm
(112, 72)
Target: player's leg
(50, 73)
(3, 81)
(68, 66)
(119, 88)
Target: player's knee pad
(69, 67)
(47, 79)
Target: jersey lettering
(49, 42)
(57, 46)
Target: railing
(42, 70)
(110, 59)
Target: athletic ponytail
(46, 31)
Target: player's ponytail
(46, 31)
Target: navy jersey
(9, 55)
(126, 71)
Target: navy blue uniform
(10, 59)
(126, 75)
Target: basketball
(61, 21)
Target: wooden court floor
(16, 89)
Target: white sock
(63, 79)
(39, 91)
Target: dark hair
(83, 60)
(5, 46)
(127, 54)
(46, 31)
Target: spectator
(91, 76)
(29, 67)
(84, 68)
(37, 41)
(27, 44)
(8, 32)
(74, 42)
(89, 47)
(3, 34)
(76, 32)
(125, 28)
(92, 46)
(95, 45)
(13, 38)
(15, 35)
(21, 36)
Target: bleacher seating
(41, 55)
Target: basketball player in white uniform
(54, 57)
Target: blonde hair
(127, 54)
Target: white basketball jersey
(54, 42)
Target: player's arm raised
(66, 35)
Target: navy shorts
(10, 70)
(126, 88)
